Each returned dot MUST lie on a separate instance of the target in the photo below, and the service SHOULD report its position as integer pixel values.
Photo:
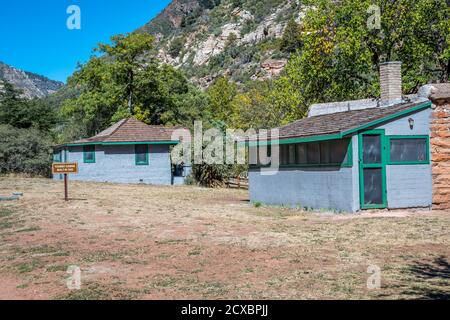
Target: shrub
(25, 151)
(211, 176)
(175, 47)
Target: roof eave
(340, 134)
(168, 142)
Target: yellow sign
(64, 168)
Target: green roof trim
(295, 140)
(340, 135)
(392, 117)
(120, 143)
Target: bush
(175, 47)
(190, 180)
(25, 151)
(211, 176)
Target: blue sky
(34, 36)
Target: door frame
(382, 165)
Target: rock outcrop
(32, 85)
(221, 37)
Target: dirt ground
(148, 242)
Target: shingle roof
(131, 130)
(342, 122)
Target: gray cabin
(353, 155)
(130, 151)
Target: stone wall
(440, 149)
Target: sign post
(66, 169)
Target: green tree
(340, 55)
(25, 151)
(128, 51)
(160, 94)
(175, 47)
(21, 113)
(221, 94)
(291, 40)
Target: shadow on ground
(426, 281)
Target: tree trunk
(130, 92)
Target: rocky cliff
(238, 38)
(32, 85)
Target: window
(325, 152)
(291, 153)
(89, 154)
(141, 151)
(301, 154)
(313, 153)
(339, 151)
(57, 157)
(331, 153)
(408, 150)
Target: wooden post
(66, 191)
(65, 169)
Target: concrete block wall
(117, 164)
(409, 185)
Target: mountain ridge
(33, 85)
(212, 38)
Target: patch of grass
(5, 213)
(26, 267)
(195, 252)
(6, 225)
(163, 256)
(257, 204)
(31, 229)
(162, 282)
(56, 268)
(100, 256)
(171, 241)
(96, 291)
(61, 254)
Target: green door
(372, 169)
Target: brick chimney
(391, 83)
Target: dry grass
(148, 242)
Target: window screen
(333, 152)
(373, 186)
(409, 150)
(291, 154)
(325, 152)
(338, 151)
(313, 153)
(301, 154)
(372, 149)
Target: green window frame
(139, 150)
(87, 151)
(427, 151)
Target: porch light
(411, 123)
